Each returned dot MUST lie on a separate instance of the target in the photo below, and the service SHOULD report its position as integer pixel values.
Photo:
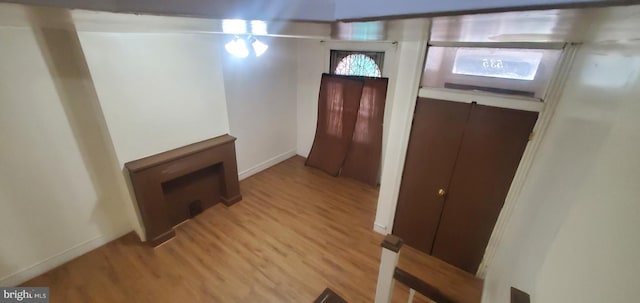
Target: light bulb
(258, 47)
(234, 26)
(237, 47)
(258, 27)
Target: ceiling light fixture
(258, 46)
(238, 46)
(258, 27)
(234, 26)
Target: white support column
(410, 56)
(388, 261)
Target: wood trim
(148, 175)
(177, 153)
(403, 106)
(527, 45)
(420, 286)
(155, 242)
(392, 243)
(519, 296)
(232, 200)
(496, 100)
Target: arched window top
(358, 65)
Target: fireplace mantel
(150, 175)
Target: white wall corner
(135, 216)
(56, 260)
(266, 164)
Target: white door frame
(546, 110)
(410, 58)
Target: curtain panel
(348, 139)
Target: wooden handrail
(439, 282)
(392, 243)
(420, 286)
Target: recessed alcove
(188, 195)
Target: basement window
(356, 63)
(511, 71)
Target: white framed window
(510, 71)
(498, 63)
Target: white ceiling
(608, 24)
(310, 10)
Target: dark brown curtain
(363, 157)
(348, 138)
(338, 106)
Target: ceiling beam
(315, 10)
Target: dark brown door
(435, 139)
(493, 144)
(338, 105)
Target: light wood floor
(296, 232)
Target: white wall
(157, 91)
(261, 99)
(312, 61)
(594, 255)
(75, 108)
(310, 66)
(60, 191)
(573, 237)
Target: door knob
(441, 192)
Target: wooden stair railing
(434, 279)
(420, 286)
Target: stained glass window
(358, 65)
(355, 63)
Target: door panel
(338, 105)
(493, 144)
(365, 151)
(436, 134)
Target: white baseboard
(266, 164)
(379, 228)
(56, 260)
